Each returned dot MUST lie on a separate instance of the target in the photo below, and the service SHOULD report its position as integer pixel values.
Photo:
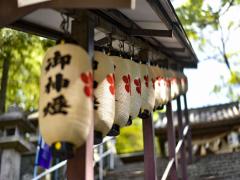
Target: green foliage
(217, 89)
(131, 138)
(192, 14)
(201, 18)
(197, 15)
(235, 78)
(25, 52)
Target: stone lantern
(13, 128)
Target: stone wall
(10, 165)
(216, 167)
(27, 166)
(211, 167)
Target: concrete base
(10, 165)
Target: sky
(208, 73)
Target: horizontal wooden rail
(50, 170)
(178, 147)
(63, 163)
(168, 168)
(185, 131)
(177, 150)
(180, 142)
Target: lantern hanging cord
(121, 47)
(148, 62)
(132, 51)
(109, 45)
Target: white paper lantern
(168, 85)
(184, 83)
(66, 106)
(104, 95)
(147, 88)
(178, 81)
(152, 79)
(122, 91)
(156, 72)
(165, 89)
(136, 89)
(178, 77)
(175, 84)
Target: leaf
(235, 78)
(230, 25)
(217, 89)
(27, 52)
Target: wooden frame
(116, 23)
(10, 12)
(174, 150)
(149, 149)
(96, 4)
(171, 143)
(81, 166)
(183, 163)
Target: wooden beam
(189, 135)
(149, 148)
(150, 33)
(204, 132)
(181, 136)
(176, 49)
(36, 29)
(95, 4)
(209, 138)
(102, 42)
(171, 141)
(10, 12)
(80, 167)
(39, 30)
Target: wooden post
(180, 134)
(171, 141)
(81, 166)
(189, 136)
(149, 149)
(161, 143)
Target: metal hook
(109, 44)
(65, 24)
(150, 58)
(131, 50)
(121, 47)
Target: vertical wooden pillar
(171, 141)
(180, 134)
(149, 149)
(161, 143)
(189, 135)
(81, 166)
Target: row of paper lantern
(113, 89)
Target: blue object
(45, 155)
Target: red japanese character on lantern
(127, 80)
(88, 80)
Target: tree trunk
(4, 82)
